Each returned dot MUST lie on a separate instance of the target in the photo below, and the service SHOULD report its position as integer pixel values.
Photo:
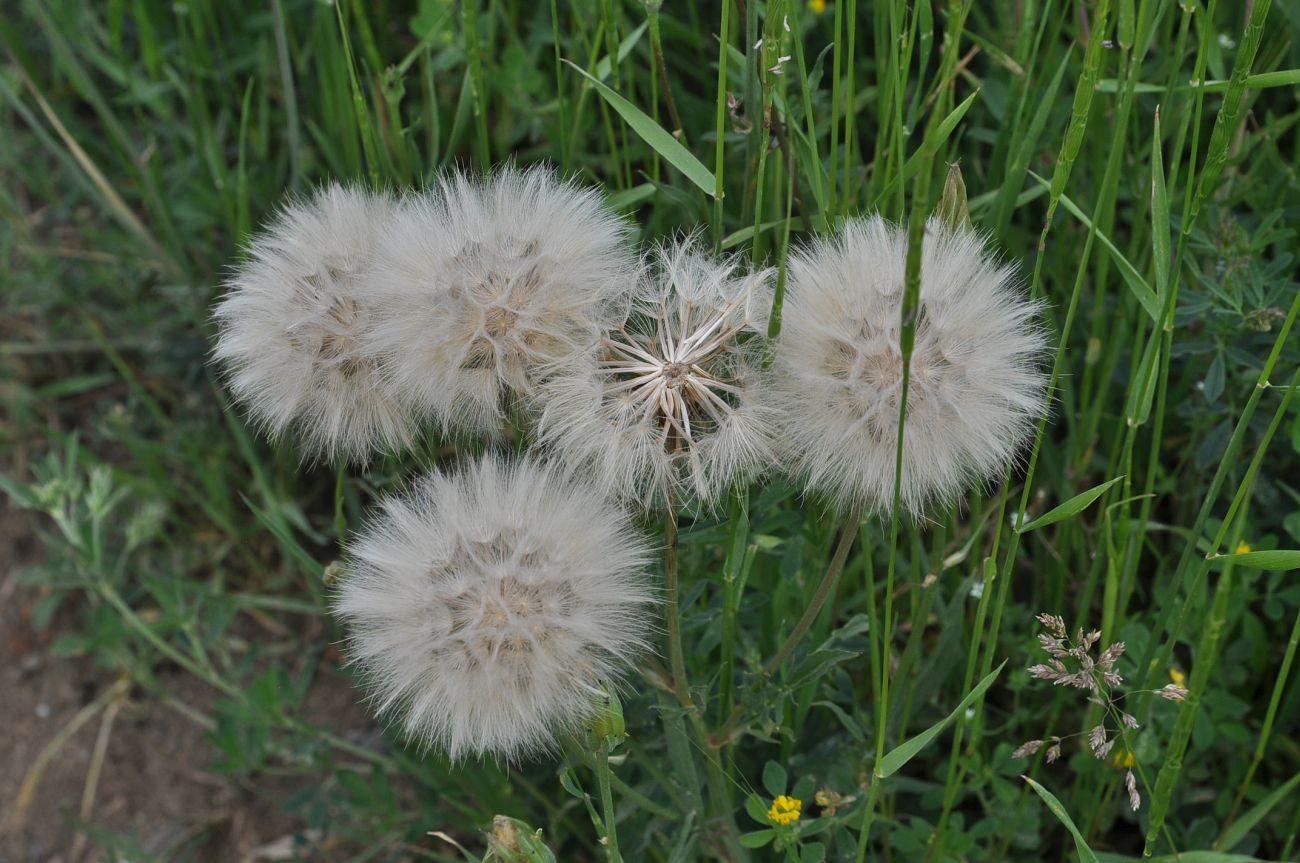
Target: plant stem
(740, 556)
(824, 591)
(657, 51)
(672, 613)
(1069, 152)
(1188, 570)
(1279, 685)
(1207, 652)
(720, 127)
(340, 519)
(868, 807)
(607, 803)
(559, 88)
(469, 23)
(835, 107)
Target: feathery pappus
(489, 284)
(292, 324)
(488, 607)
(667, 402)
(976, 385)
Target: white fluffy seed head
(488, 608)
(976, 383)
(668, 401)
(488, 284)
(292, 327)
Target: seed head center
(675, 374)
(499, 320)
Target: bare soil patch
(152, 784)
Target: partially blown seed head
(975, 386)
(489, 608)
(668, 400)
(293, 323)
(489, 284)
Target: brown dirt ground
(152, 785)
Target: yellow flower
(784, 810)
(1178, 677)
(817, 6)
(1123, 760)
(1243, 547)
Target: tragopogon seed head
(491, 283)
(668, 399)
(975, 386)
(293, 323)
(489, 608)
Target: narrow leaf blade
(904, 752)
(655, 135)
(941, 133)
(1247, 822)
(1138, 285)
(1137, 408)
(1055, 807)
(1281, 559)
(1159, 213)
(1073, 506)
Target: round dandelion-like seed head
(492, 283)
(491, 610)
(293, 321)
(975, 385)
(667, 400)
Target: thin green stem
(720, 126)
(868, 813)
(740, 556)
(1069, 152)
(661, 68)
(340, 517)
(469, 19)
(293, 132)
(672, 611)
(1207, 652)
(607, 803)
(851, 113)
(1261, 745)
(825, 589)
(1186, 574)
(559, 87)
(836, 107)
(369, 145)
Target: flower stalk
(825, 590)
(607, 801)
(672, 610)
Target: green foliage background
(143, 141)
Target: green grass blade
(1137, 408)
(629, 198)
(1015, 177)
(1261, 81)
(478, 86)
(603, 65)
(928, 148)
(1185, 857)
(905, 751)
(655, 135)
(1281, 560)
(1281, 677)
(1238, 831)
(1073, 506)
(1225, 122)
(1054, 806)
(1160, 250)
(1136, 283)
